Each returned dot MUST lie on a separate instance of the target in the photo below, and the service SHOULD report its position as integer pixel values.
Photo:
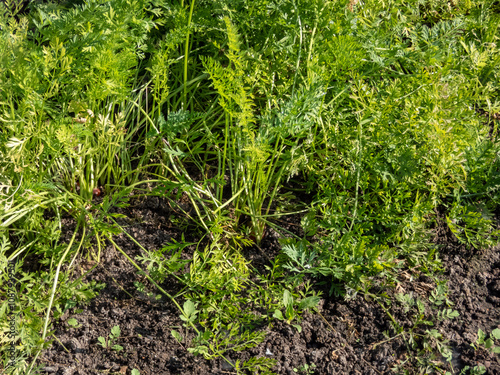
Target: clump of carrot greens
(382, 114)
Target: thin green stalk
(145, 274)
(358, 172)
(300, 49)
(311, 47)
(142, 247)
(186, 53)
(24, 211)
(229, 201)
(56, 278)
(222, 171)
(19, 251)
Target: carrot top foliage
(366, 119)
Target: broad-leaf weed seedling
(488, 343)
(290, 312)
(428, 346)
(305, 369)
(72, 322)
(109, 343)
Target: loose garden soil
(345, 338)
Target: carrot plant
(67, 127)
(385, 114)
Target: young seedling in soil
(305, 369)
(113, 336)
(73, 323)
(488, 343)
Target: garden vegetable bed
(346, 338)
(249, 187)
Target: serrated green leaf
(117, 347)
(102, 341)
(278, 314)
(115, 331)
(189, 308)
(206, 335)
(202, 349)
(496, 333)
(309, 302)
(118, 216)
(287, 298)
(72, 322)
(176, 335)
(434, 333)
(420, 306)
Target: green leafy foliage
(368, 118)
(72, 322)
(110, 342)
(488, 343)
(32, 293)
(473, 225)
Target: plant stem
(300, 49)
(147, 276)
(186, 54)
(56, 278)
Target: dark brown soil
(345, 338)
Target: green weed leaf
(298, 327)
(102, 341)
(287, 298)
(189, 308)
(189, 313)
(480, 336)
(496, 333)
(176, 335)
(278, 314)
(309, 302)
(73, 322)
(115, 332)
(488, 343)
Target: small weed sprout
(305, 369)
(110, 342)
(73, 323)
(488, 343)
